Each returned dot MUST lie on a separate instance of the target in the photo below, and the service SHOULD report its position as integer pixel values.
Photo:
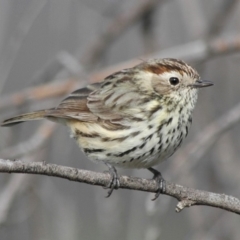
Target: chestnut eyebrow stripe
(162, 68)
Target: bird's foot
(157, 176)
(114, 182)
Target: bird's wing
(75, 105)
(114, 99)
(118, 97)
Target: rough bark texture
(186, 196)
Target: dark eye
(174, 81)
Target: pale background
(51, 41)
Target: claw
(114, 182)
(157, 176)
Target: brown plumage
(134, 118)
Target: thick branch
(186, 196)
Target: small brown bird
(134, 118)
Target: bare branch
(186, 196)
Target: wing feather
(118, 97)
(115, 100)
(75, 105)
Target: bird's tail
(24, 117)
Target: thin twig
(186, 196)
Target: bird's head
(169, 76)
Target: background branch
(192, 51)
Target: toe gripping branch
(157, 176)
(114, 182)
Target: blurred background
(49, 48)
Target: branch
(186, 196)
(192, 51)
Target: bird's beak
(201, 84)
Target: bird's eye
(173, 81)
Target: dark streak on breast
(140, 147)
(169, 121)
(180, 110)
(137, 119)
(126, 152)
(151, 151)
(92, 150)
(134, 134)
(148, 137)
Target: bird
(134, 118)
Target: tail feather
(24, 117)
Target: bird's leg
(157, 176)
(114, 182)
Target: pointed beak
(201, 84)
